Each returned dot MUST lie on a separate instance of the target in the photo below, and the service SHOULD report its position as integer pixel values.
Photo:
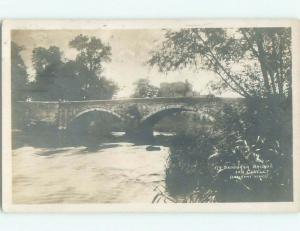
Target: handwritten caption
(244, 171)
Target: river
(115, 173)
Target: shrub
(257, 133)
(187, 167)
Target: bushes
(187, 164)
(257, 133)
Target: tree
(92, 53)
(144, 89)
(80, 79)
(18, 73)
(47, 63)
(68, 83)
(54, 78)
(102, 89)
(249, 61)
(175, 89)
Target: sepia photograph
(150, 115)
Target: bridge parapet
(32, 112)
(63, 112)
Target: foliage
(46, 62)
(92, 52)
(19, 82)
(269, 118)
(68, 85)
(260, 133)
(144, 89)
(18, 73)
(78, 79)
(249, 61)
(256, 134)
(176, 89)
(187, 164)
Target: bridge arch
(95, 109)
(148, 123)
(157, 115)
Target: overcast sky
(130, 52)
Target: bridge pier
(140, 134)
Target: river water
(115, 173)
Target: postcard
(150, 115)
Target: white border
(9, 25)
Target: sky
(130, 52)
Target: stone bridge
(137, 113)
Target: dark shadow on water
(50, 152)
(100, 147)
(51, 138)
(86, 150)
(78, 152)
(153, 148)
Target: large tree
(18, 74)
(92, 53)
(46, 63)
(79, 79)
(248, 61)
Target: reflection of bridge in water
(137, 114)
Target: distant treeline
(143, 89)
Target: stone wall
(62, 113)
